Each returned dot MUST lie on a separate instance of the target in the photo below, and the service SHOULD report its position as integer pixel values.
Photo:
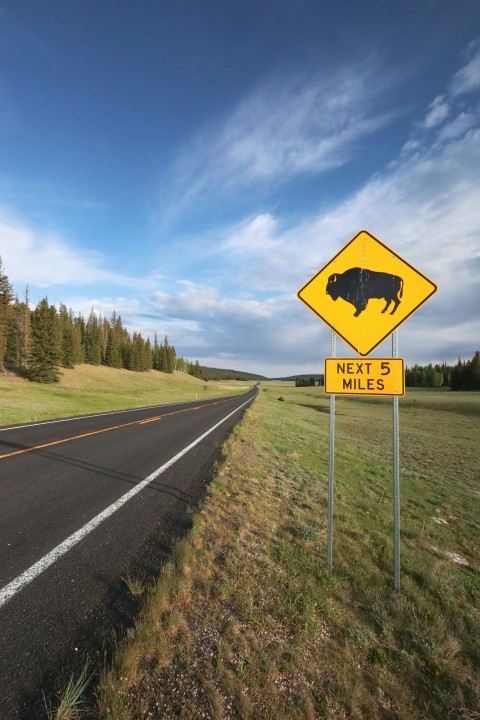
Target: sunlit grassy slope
(247, 623)
(90, 389)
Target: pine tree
(13, 319)
(113, 355)
(457, 378)
(104, 327)
(162, 358)
(76, 337)
(196, 370)
(475, 372)
(79, 337)
(447, 374)
(71, 351)
(6, 297)
(127, 352)
(17, 327)
(25, 330)
(147, 355)
(44, 360)
(155, 353)
(170, 356)
(142, 362)
(92, 342)
(66, 331)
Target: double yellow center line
(108, 429)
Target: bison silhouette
(359, 285)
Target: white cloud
(125, 307)
(467, 78)
(410, 147)
(249, 334)
(255, 236)
(42, 259)
(437, 112)
(426, 207)
(453, 105)
(198, 302)
(463, 122)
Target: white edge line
(10, 590)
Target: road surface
(83, 503)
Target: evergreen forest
(465, 375)
(38, 343)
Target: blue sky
(191, 164)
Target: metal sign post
(331, 465)
(363, 294)
(396, 478)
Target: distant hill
(209, 373)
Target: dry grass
(246, 623)
(90, 389)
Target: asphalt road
(83, 503)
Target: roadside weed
(135, 586)
(70, 705)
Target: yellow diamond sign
(365, 292)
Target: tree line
(304, 381)
(39, 342)
(465, 375)
(203, 372)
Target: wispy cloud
(43, 197)
(467, 78)
(463, 122)
(282, 130)
(437, 112)
(425, 204)
(459, 105)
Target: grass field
(89, 389)
(245, 622)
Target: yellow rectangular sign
(375, 376)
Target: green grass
(70, 705)
(247, 623)
(89, 389)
